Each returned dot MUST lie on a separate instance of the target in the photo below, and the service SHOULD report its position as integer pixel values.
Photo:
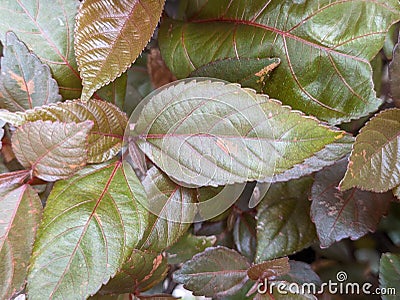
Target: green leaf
(249, 72)
(216, 272)
(374, 164)
(172, 211)
(24, 82)
(91, 224)
(268, 269)
(283, 220)
(326, 157)
(52, 150)
(244, 235)
(183, 128)
(109, 36)
(47, 28)
(20, 213)
(115, 92)
(142, 271)
(105, 138)
(187, 246)
(139, 84)
(338, 215)
(324, 47)
(389, 274)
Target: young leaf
(46, 27)
(389, 273)
(20, 213)
(338, 215)
(184, 128)
(105, 138)
(24, 81)
(109, 36)
(216, 272)
(52, 150)
(283, 220)
(172, 211)
(374, 164)
(324, 69)
(326, 157)
(273, 268)
(187, 246)
(90, 226)
(249, 72)
(142, 271)
(244, 235)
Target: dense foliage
(275, 156)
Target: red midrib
(106, 187)
(49, 40)
(285, 34)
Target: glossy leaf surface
(272, 268)
(324, 47)
(216, 272)
(244, 235)
(109, 36)
(172, 211)
(389, 273)
(52, 150)
(249, 72)
(211, 133)
(20, 215)
(283, 220)
(374, 164)
(47, 28)
(338, 215)
(109, 122)
(90, 225)
(143, 270)
(25, 82)
(326, 157)
(187, 246)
